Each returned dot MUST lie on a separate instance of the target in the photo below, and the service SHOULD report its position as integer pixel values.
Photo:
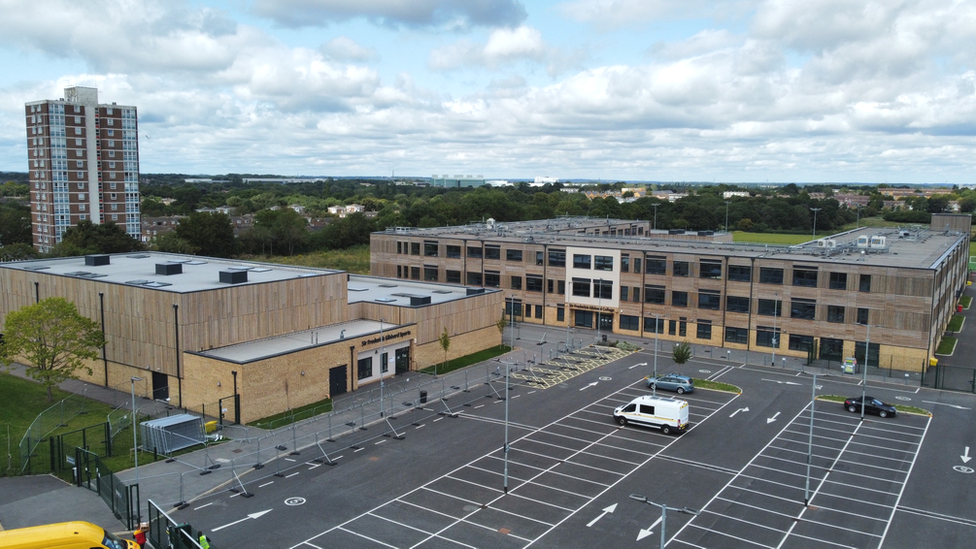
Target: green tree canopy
(209, 234)
(90, 238)
(681, 353)
(53, 338)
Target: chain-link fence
(46, 423)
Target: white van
(670, 414)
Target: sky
(654, 90)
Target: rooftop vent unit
(475, 291)
(233, 277)
(863, 241)
(167, 269)
(676, 231)
(706, 233)
(878, 241)
(826, 243)
(420, 300)
(96, 260)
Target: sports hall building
(826, 298)
(205, 332)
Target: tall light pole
(813, 400)
(664, 514)
(775, 316)
(655, 214)
(858, 224)
(657, 328)
(727, 202)
(599, 312)
(864, 370)
(815, 210)
(135, 445)
(383, 363)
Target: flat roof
(260, 349)
(406, 293)
(910, 246)
(139, 269)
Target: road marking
(746, 409)
(608, 509)
(292, 502)
(956, 406)
(529, 393)
(648, 531)
(357, 450)
(593, 384)
(265, 484)
(479, 406)
(965, 456)
(380, 441)
(257, 515)
(293, 474)
(516, 396)
(289, 459)
(438, 419)
(772, 419)
(781, 382)
(963, 469)
(420, 426)
(211, 503)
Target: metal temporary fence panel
(166, 533)
(170, 434)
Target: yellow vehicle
(64, 535)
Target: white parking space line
(374, 540)
(204, 505)
(265, 484)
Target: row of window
(654, 265)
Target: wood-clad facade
(815, 300)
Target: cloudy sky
(668, 90)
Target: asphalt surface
(712, 468)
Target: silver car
(672, 382)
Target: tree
(53, 338)
(15, 224)
(209, 234)
(445, 341)
(501, 326)
(91, 238)
(681, 353)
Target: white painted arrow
(607, 509)
(646, 532)
(965, 456)
(772, 419)
(781, 382)
(746, 409)
(259, 514)
(638, 364)
(588, 386)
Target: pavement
(357, 416)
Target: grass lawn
(291, 416)
(464, 361)
(22, 400)
(946, 346)
(966, 301)
(353, 260)
(770, 238)
(955, 323)
(716, 386)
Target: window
(603, 289)
(835, 313)
(838, 281)
(862, 316)
(584, 319)
(539, 258)
(679, 299)
(708, 299)
(399, 271)
(474, 251)
(430, 273)
(710, 269)
(624, 263)
(474, 279)
(561, 287)
(533, 283)
(654, 294)
(399, 247)
(805, 309)
(415, 273)
(681, 268)
(513, 255)
(682, 328)
(624, 293)
(767, 337)
(800, 342)
(581, 261)
(415, 248)
(736, 304)
(770, 307)
(581, 287)
(603, 263)
(365, 368)
(770, 275)
(736, 335)
(493, 252)
(637, 265)
(635, 295)
(452, 277)
(650, 322)
(704, 329)
(538, 311)
(656, 266)
(492, 279)
(865, 285)
(384, 363)
(557, 258)
(628, 322)
(453, 252)
(805, 277)
(560, 314)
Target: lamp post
(599, 312)
(775, 316)
(858, 223)
(664, 514)
(727, 202)
(655, 214)
(383, 364)
(864, 370)
(657, 328)
(813, 401)
(135, 445)
(815, 210)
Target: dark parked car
(874, 406)
(672, 382)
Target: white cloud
(343, 48)
(410, 13)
